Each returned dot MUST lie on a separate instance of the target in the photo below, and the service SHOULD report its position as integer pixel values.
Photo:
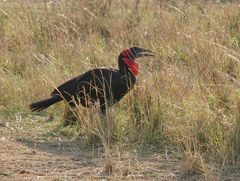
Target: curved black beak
(141, 52)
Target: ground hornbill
(104, 85)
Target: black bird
(104, 85)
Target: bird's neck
(126, 71)
(124, 68)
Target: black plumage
(104, 85)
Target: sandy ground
(27, 155)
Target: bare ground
(28, 154)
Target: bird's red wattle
(133, 66)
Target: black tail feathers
(40, 105)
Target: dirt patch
(27, 155)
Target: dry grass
(187, 98)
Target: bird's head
(128, 57)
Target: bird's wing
(70, 86)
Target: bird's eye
(127, 53)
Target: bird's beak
(146, 53)
(140, 52)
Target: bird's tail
(40, 105)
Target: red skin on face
(133, 66)
(131, 63)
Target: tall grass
(187, 98)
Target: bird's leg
(102, 105)
(69, 117)
(103, 108)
